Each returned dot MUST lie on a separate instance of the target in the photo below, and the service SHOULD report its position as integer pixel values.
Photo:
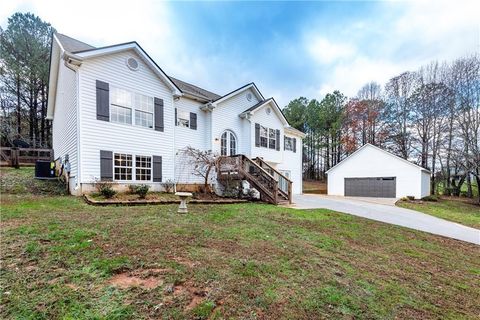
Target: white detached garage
(373, 172)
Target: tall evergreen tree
(24, 62)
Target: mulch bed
(90, 200)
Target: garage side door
(381, 187)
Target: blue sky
(289, 49)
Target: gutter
(72, 61)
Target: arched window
(228, 143)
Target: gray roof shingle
(72, 45)
(194, 90)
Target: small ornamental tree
(201, 162)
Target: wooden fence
(23, 156)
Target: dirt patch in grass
(194, 295)
(315, 186)
(126, 280)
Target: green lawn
(63, 259)
(461, 212)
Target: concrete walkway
(389, 214)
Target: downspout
(73, 63)
(77, 182)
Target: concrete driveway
(386, 212)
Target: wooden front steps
(273, 186)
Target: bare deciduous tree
(201, 163)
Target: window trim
(133, 167)
(179, 111)
(262, 128)
(144, 168)
(268, 139)
(114, 166)
(285, 143)
(133, 108)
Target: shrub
(142, 190)
(410, 197)
(432, 198)
(105, 188)
(132, 188)
(168, 186)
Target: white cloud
(326, 51)
(406, 36)
(151, 23)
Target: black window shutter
(175, 116)
(193, 121)
(103, 101)
(106, 165)
(294, 145)
(257, 135)
(284, 142)
(159, 126)
(157, 169)
(278, 140)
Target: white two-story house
(118, 116)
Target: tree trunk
(19, 109)
(43, 115)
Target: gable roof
(236, 91)
(72, 45)
(83, 49)
(262, 103)
(195, 91)
(379, 149)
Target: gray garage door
(384, 187)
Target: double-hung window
(272, 141)
(183, 119)
(124, 103)
(122, 166)
(143, 168)
(263, 136)
(288, 143)
(121, 108)
(143, 110)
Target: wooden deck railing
(284, 183)
(24, 156)
(271, 184)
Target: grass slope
(226, 261)
(457, 211)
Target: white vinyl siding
(292, 162)
(64, 126)
(272, 122)
(226, 117)
(198, 139)
(128, 139)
